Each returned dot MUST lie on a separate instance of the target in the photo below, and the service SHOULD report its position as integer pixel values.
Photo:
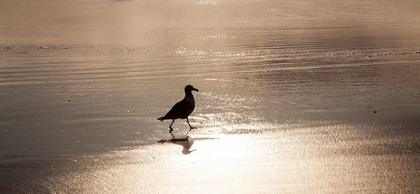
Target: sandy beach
(335, 158)
(294, 96)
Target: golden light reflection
(313, 159)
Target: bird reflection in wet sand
(182, 109)
(185, 142)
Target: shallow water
(295, 96)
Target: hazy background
(322, 91)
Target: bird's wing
(181, 109)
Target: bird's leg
(170, 126)
(190, 125)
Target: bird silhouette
(182, 109)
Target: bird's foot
(193, 128)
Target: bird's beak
(195, 89)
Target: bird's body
(182, 109)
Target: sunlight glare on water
(254, 163)
(295, 96)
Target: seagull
(182, 109)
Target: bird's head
(190, 88)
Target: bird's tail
(161, 118)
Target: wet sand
(296, 97)
(329, 158)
